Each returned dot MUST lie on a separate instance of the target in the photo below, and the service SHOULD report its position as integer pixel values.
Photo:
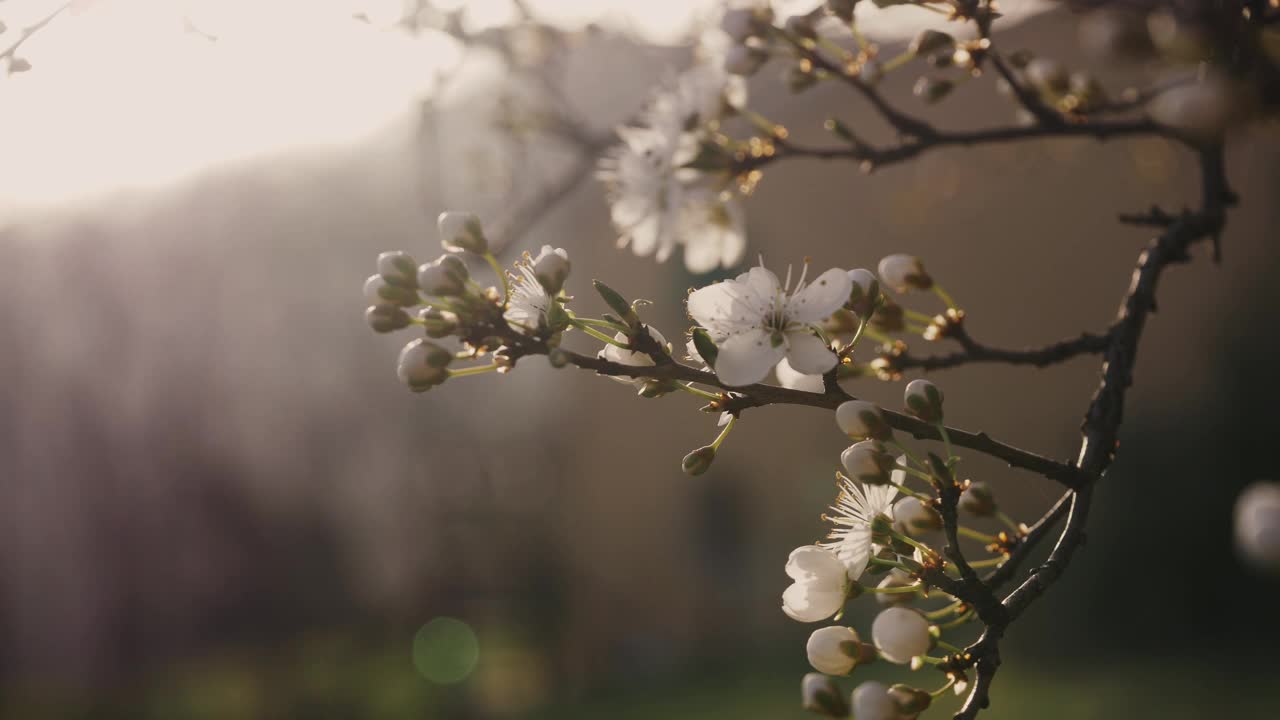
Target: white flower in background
(900, 634)
(1257, 525)
(645, 195)
(789, 378)
(833, 650)
(622, 356)
(819, 587)
(871, 701)
(530, 299)
(756, 321)
(713, 230)
(856, 507)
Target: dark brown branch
(975, 352)
(1102, 421)
(759, 395)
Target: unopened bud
(398, 268)
(978, 500)
(871, 701)
(385, 317)
(862, 420)
(895, 579)
(1257, 526)
(911, 701)
(865, 292)
(931, 90)
(618, 303)
(446, 277)
(888, 318)
(916, 518)
(551, 268)
(655, 388)
(901, 634)
(929, 40)
(904, 272)
(378, 292)
(423, 365)
(438, 323)
(819, 694)
(558, 358)
(698, 461)
(867, 462)
(461, 232)
(924, 400)
(745, 60)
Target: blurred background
(217, 501)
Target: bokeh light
(446, 650)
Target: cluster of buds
(748, 25)
(441, 298)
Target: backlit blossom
(819, 585)
(756, 321)
(530, 302)
(856, 507)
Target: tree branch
(975, 352)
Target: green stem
(943, 690)
(946, 297)
(616, 327)
(964, 618)
(878, 336)
(897, 62)
(695, 391)
(891, 563)
(596, 333)
(477, 370)
(715, 444)
(925, 549)
(916, 315)
(975, 535)
(502, 276)
(943, 612)
(893, 590)
(946, 440)
(949, 647)
(989, 562)
(1008, 521)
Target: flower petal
(747, 357)
(805, 603)
(817, 300)
(811, 562)
(807, 354)
(788, 377)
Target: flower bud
(1114, 34)
(1257, 525)
(911, 701)
(385, 317)
(742, 23)
(929, 40)
(901, 634)
(916, 518)
(861, 420)
(551, 268)
(867, 462)
(865, 292)
(378, 292)
(423, 365)
(446, 277)
(698, 461)
(833, 650)
(1205, 109)
(398, 268)
(978, 500)
(895, 579)
(924, 400)
(820, 584)
(871, 701)
(931, 90)
(819, 694)
(461, 232)
(888, 317)
(438, 323)
(744, 60)
(904, 272)
(1047, 76)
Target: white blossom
(756, 321)
(713, 230)
(900, 634)
(622, 356)
(789, 378)
(1257, 525)
(530, 302)
(820, 582)
(645, 195)
(871, 701)
(856, 507)
(832, 650)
